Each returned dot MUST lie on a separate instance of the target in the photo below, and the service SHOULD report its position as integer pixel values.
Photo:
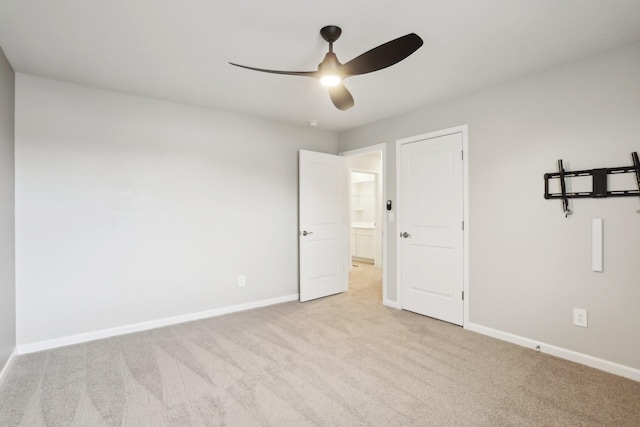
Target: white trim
(465, 218)
(563, 353)
(389, 303)
(5, 370)
(385, 265)
(364, 150)
(144, 326)
(398, 225)
(464, 130)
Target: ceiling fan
(331, 72)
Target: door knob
(306, 233)
(405, 235)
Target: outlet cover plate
(580, 317)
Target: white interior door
(323, 234)
(431, 215)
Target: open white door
(431, 234)
(324, 249)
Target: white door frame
(464, 129)
(385, 258)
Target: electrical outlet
(580, 317)
(241, 280)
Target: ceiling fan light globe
(330, 81)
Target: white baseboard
(144, 326)
(563, 353)
(7, 365)
(390, 303)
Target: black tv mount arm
(599, 188)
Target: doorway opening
(367, 195)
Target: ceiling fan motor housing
(329, 65)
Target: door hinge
(462, 155)
(462, 295)
(462, 225)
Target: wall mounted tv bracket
(599, 188)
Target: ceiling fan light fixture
(331, 72)
(330, 80)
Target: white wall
(529, 266)
(7, 223)
(131, 209)
(370, 162)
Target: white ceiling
(178, 50)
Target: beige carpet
(344, 360)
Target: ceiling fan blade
(288, 73)
(383, 56)
(341, 97)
